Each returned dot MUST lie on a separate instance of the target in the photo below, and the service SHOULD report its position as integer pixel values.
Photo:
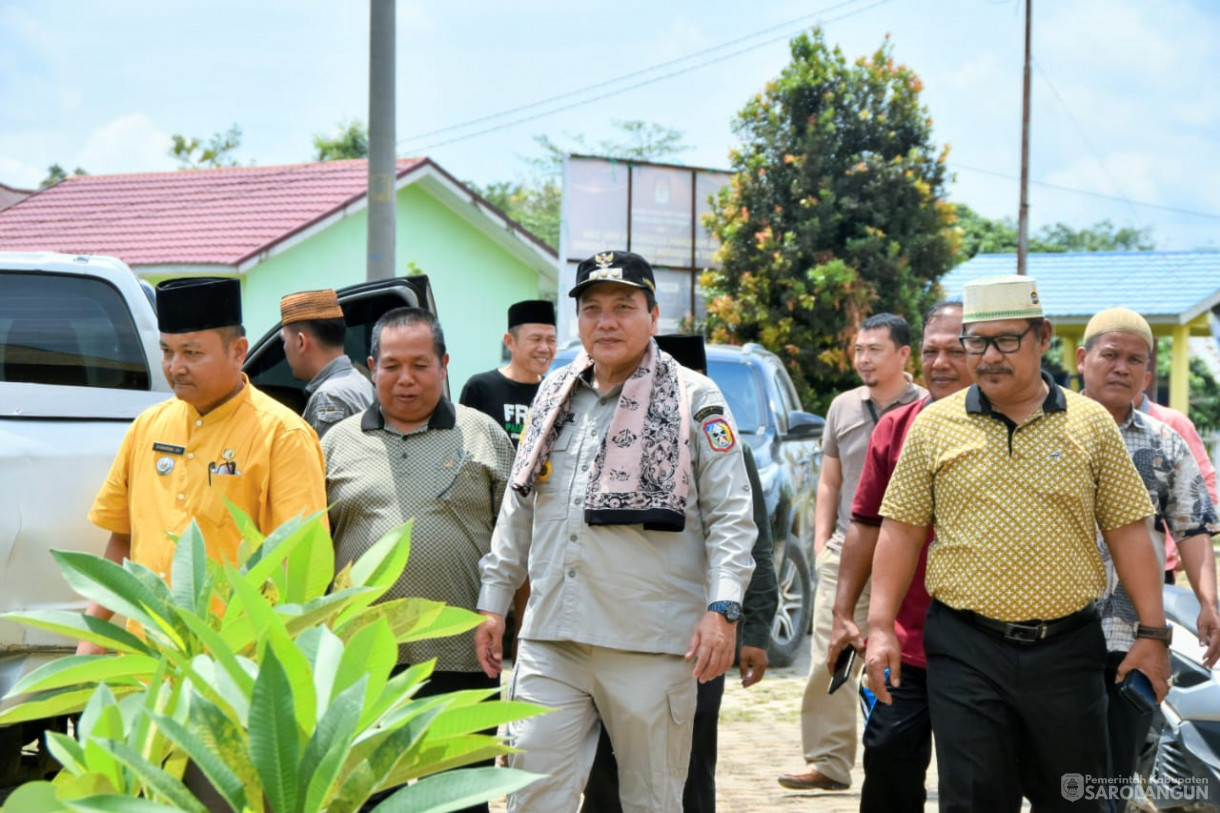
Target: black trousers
(1128, 728)
(1014, 719)
(443, 683)
(898, 748)
(699, 795)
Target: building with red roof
(299, 227)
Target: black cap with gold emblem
(614, 266)
(198, 303)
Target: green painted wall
(473, 280)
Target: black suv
(787, 445)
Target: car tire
(792, 615)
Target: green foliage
(534, 201)
(836, 211)
(351, 140)
(1204, 390)
(270, 678)
(982, 235)
(56, 173)
(215, 152)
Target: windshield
(743, 390)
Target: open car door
(363, 305)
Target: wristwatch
(1162, 634)
(731, 610)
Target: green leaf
(112, 803)
(154, 779)
(399, 689)
(481, 716)
(107, 725)
(275, 743)
(456, 790)
(166, 633)
(311, 565)
(190, 571)
(67, 751)
(369, 763)
(251, 537)
(372, 653)
(432, 757)
(321, 610)
(111, 586)
(35, 796)
(76, 669)
(81, 627)
(53, 703)
(404, 615)
(218, 648)
(324, 651)
(296, 668)
(380, 566)
(326, 749)
(248, 601)
(450, 621)
(224, 736)
(213, 764)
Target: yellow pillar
(1179, 369)
(1068, 343)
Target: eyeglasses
(1006, 344)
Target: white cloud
(19, 174)
(130, 143)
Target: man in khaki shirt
(1017, 474)
(631, 512)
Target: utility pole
(1023, 213)
(383, 167)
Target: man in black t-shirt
(505, 394)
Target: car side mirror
(805, 426)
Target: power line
(641, 72)
(1085, 138)
(634, 86)
(1089, 193)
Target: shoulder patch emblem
(719, 434)
(709, 411)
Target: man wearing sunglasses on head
(1015, 473)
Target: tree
(351, 140)
(836, 211)
(534, 200)
(56, 173)
(983, 235)
(217, 152)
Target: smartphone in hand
(1137, 690)
(843, 667)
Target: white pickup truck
(79, 359)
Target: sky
(1125, 121)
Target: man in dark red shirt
(897, 737)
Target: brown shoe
(811, 780)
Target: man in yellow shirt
(219, 438)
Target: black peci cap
(614, 266)
(531, 312)
(687, 350)
(198, 303)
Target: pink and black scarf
(642, 472)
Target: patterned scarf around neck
(643, 469)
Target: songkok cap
(198, 303)
(614, 266)
(1009, 297)
(531, 312)
(308, 306)
(1124, 320)
(687, 350)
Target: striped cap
(307, 306)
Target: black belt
(1026, 632)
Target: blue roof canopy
(1167, 287)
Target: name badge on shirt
(170, 448)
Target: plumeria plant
(264, 685)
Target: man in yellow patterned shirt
(219, 438)
(1016, 474)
